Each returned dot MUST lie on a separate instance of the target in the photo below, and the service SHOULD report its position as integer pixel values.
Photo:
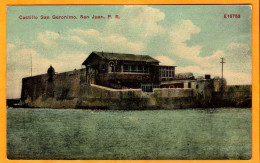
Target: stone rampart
(233, 96)
(69, 90)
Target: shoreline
(208, 108)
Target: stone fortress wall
(69, 90)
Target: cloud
(117, 41)
(232, 77)
(107, 42)
(137, 28)
(165, 60)
(19, 66)
(193, 69)
(48, 38)
(211, 61)
(237, 68)
(10, 47)
(183, 30)
(136, 25)
(16, 56)
(179, 34)
(140, 22)
(64, 52)
(69, 61)
(238, 57)
(52, 39)
(87, 33)
(77, 39)
(237, 78)
(128, 34)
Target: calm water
(152, 134)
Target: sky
(191, 37)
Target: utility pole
(222, 62)
(31, 64)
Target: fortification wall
(233, 96)
(172, 92)
(63, 91)
(69, 90)
(97, 97)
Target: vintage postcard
(131, 82)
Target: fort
(128, 81)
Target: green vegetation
(152, 134)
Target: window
(149, 87)
(135, 68)
(140, 68)
(104, 67)
(111, 67)
(146, 70)
(170, 74)
(166, 72)
(126, 68)
(90, 70)
(163, 74)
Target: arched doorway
(111, 67)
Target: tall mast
(222, 63)
(31, 64)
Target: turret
(51, 73)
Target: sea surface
(223, 133)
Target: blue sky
(191, 37)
